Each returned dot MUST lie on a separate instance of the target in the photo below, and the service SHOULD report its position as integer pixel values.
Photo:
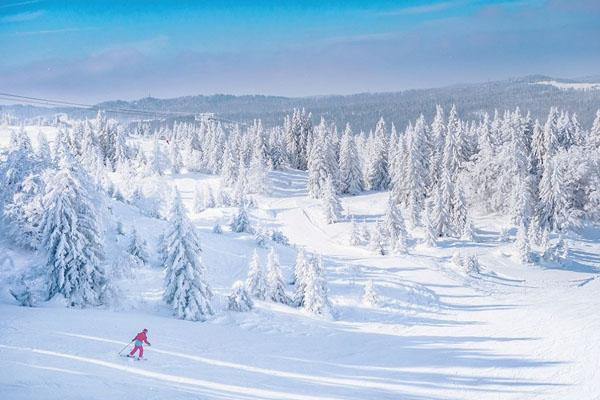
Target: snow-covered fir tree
(355, 238)
(351, 180)
(316, 297)
(275, 286)
(377, 242)
(300, 271)
(137, 247)
(71, 236)
(378, 177)
(240, 221)
(186, 290)
(256, 282)
(330, 202)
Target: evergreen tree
(351, 180)
(417, 170)
(239, 300)
(378, 238)
(229, 169)
(300, 272)
(256, 283)
(370, 297)
(186, 289)
(593, 138)
(522, 244)
(240, 221)
(331, 205)
(274, 280)
(394, 221)
(137, 247)
(316, 298)
(431, 228)
(198, 199)
(71, 237)
(377, 169)
(355, 239)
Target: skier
(139, 339)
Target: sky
(91, 51)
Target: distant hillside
(364, 109)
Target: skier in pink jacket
(140, 339)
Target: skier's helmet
(145, 330)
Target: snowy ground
(511, 332)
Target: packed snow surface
(512, 331)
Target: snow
(511, 331)
(573, 86)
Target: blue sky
(86, 50)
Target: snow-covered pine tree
(137, 247)
(71, 237)
(438, 137)
(330, 202)
(431, 229)
(316, 298)
(240, 221)
(355, 238)
(209, 198)
(186, 288)
(217, 229)
(229, 168)
(275, 285)
(441, 206)
(43, 151)
(417, 170)
(370, 297)
(256, 282)
(198, 199)
(378, 177)
(459, 210)
(351, 180)
(593, 138)
(318, 169)
(378, 239)
(156, 160)
(394, 221)
(175, 157)
(239, 300)
(300, 271)
(522, 244)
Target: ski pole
(126, 346)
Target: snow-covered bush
(217, 229)
(370, 297)
(278, 237)
(239, 300)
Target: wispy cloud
(48, 31)
(22, 17)
(20, 3)
(422, 9)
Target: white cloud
(22, 17)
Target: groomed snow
(511, 332)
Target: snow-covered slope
(510, 332)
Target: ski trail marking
(240, 390)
